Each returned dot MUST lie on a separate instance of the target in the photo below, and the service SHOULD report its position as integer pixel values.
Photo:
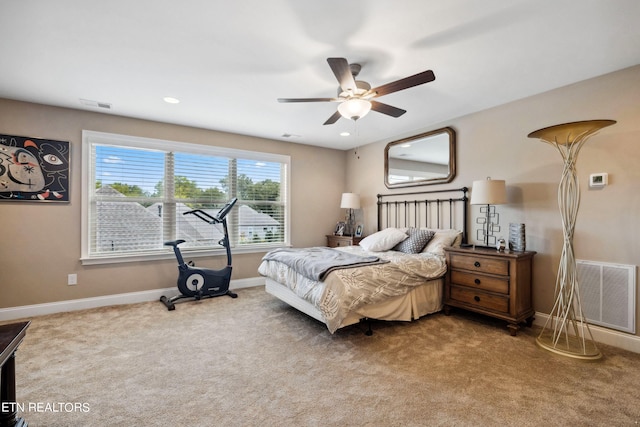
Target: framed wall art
(34, 169)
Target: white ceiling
(228, 61)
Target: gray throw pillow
(416, 241)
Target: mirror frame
(431, 181)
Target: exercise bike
(198, 283)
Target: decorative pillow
(383, 240)
(415, 243)
(442, 239)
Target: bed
(386, 276)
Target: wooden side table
(335, 241)
(497, 284)
(10, 338)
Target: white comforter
(345, 290)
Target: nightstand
(489, 282)
(335, 241)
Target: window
(136, 191)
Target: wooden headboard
(430, 209)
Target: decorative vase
(517, 240)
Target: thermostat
(598, 179)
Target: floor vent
(608, 294)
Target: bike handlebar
(222, 213)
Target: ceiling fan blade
(387, 109)
(342, 71)
(334, 118)
(308, 99)
(407, 82)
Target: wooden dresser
(493, 283)
(335, 241)
(10, 338)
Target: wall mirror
(425, 159)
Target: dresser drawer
(338, 241)
(479, 281)
(484, 265)
(480, 299)
(341, 242)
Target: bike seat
(174, 243)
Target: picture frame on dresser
(359, 230)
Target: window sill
(186, 253)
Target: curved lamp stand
(565, 331)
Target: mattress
(405, 288)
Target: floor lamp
(565, 331)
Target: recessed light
(171, 100)
(344, 134)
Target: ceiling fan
(356, 97)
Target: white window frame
(88, 182)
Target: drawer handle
(476, 298)
(477, 281)
(476, 264)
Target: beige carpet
(253, 361)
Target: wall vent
(608, 294)
(95, 104)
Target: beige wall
(40, 243)
(494, 143)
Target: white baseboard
(603, 335)
(27, 311)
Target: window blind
(138, 190)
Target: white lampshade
(489, 192)
(354, 108)
(350, 201)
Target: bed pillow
(415, 243)
(383, 240)
(442, 239)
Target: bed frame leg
(369, 330)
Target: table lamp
(488, 192)
(350, 201)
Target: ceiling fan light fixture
(354, 109)
(356, 96)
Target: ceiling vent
(95, 104)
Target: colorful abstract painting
(33, 169)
